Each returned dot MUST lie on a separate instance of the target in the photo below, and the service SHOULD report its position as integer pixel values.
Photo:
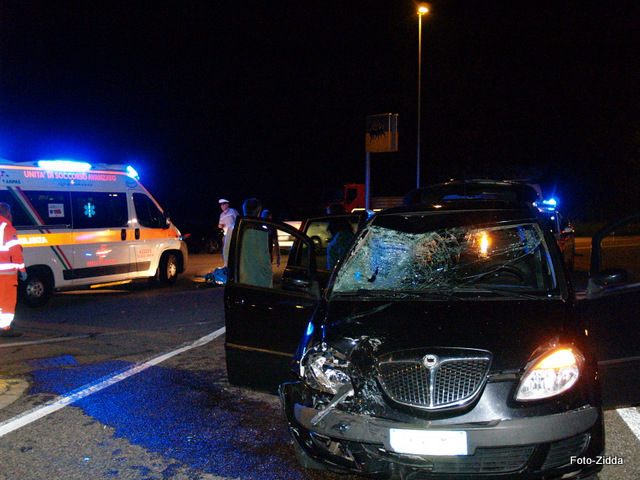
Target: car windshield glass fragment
(483, 258)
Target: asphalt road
(130, 384)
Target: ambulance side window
(51, 208)
(99, 209)
(148, 214)
(20, 217)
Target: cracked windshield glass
(449, 253)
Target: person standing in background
(226, 222)
(11, 262)
(227, 217)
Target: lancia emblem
(430, 361)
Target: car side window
(270, 257)
(331, 236)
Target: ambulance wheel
(169, 269)
(38, 288)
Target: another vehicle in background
(561, 228)
(202, 237)
(510, 190)
(87, 226)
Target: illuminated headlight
(325, 369)
(551, 375)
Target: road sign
(382, 133)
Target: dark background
(211, 99)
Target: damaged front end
(354, 406)
(333, 381)
(338, 413)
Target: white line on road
(100, 384)
(631, 418)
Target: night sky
(212, 99)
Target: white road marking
(631, 416)
(100, 384)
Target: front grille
(454, 378)
(488, 460)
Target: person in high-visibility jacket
(11, 262)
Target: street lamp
(423, 9)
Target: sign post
(381, 136)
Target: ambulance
(87, 226)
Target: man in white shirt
(228, 215)
(226, 222)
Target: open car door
(612, 310)
(266, 311)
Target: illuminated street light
(423, 9)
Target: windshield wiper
(431, 294)
(507, 292)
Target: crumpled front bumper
(524, 448)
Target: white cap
(223, 200)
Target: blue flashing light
(547, 205)
(309, 329)
(64, 165)
(132, 172)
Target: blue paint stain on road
(186, 416)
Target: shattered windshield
(445, 253)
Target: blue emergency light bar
(64, 165)
(67, 165)
(549, 205)
(132, 172)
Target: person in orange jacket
(11, 262)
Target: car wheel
(212, 245)
(169, 269)
(37, 289)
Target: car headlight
(554, 373)
(325, 369)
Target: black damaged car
(447, 343)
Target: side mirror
(301, 284)
(605, 280)
(165, 221)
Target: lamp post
(423, 9)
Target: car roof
(463, 205)
(473, 190)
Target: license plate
(428, 442)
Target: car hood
(511, 330)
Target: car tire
(168, 269)
(37, 289)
